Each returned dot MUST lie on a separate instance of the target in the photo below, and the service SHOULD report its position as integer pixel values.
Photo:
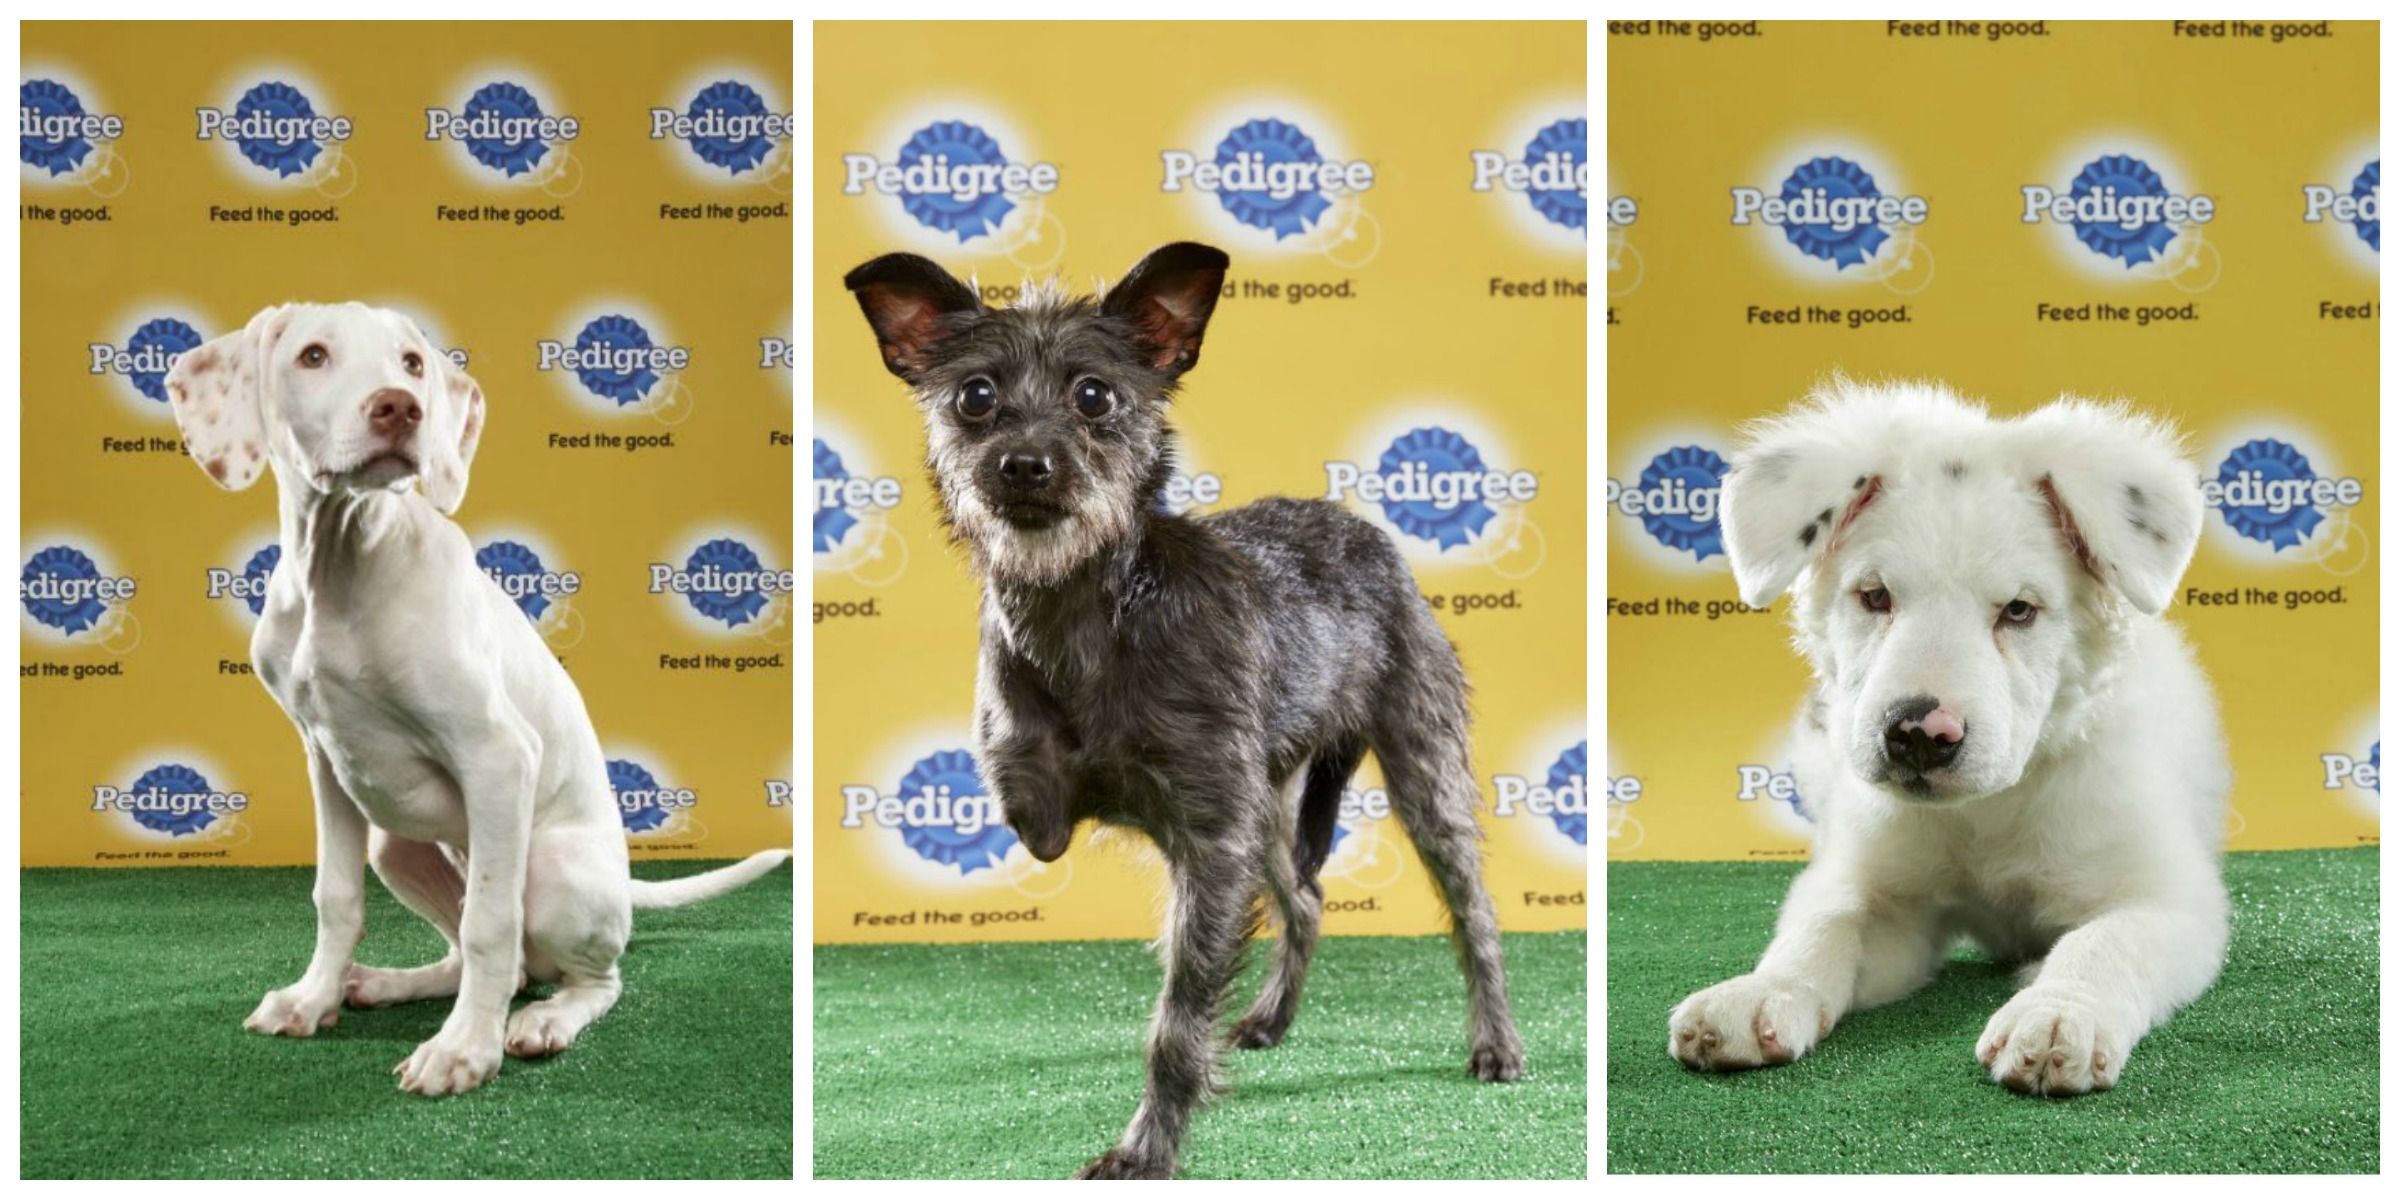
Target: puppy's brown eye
(1094, 399)
(313, 356)
(1876, 600)
(414, 362)
(2018, 612)
(977, 399)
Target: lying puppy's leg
(495, 768)
(422, 877)
(341, 893)
(2103, 986)
(577, 919)
(1833, 953)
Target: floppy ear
(213, 389)
(452, 430)
(2126, 501)
(912, 304)
(1790, 491)
(1168, 297)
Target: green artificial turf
(134, 984)
(1024, 1060)
(2273, 1070)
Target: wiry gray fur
(1211, 682)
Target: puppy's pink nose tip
(392, 411)
(1943, 724)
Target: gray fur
(1210, 682)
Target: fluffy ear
(1790, 491)
(912, 304)
(2126, 501)
(1168, 297)
(453, 427)
(213, 389)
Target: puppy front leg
(497, 778)
(340, 895)
(2102, 987)
(1829, 957)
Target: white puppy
(2004, 741)
(444, 741)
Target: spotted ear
(213, 389)
(912, 304)
(2125, 499)
(1787, 498)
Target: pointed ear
(912, 305)
(1168, 297)
(2126, 501)
(213, 389)
(453, 428)
(1788, 495)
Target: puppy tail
(707, 885)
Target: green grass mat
(135, 1064)
(2273, 1070)
(1024, 1060)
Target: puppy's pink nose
(1943, 724)
(392, 412)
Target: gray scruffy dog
(1212, 683)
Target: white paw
(373, 987)
(449, 1065)
(539, 1029)
(290, 1012)
(1747, 1021)
(2050, 1042)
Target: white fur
(443, 738)
(2079, 827)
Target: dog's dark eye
(2018, 612)
(977, 399)
(1876, 600)
(414, 363)
(1094, 399)
(313, 356)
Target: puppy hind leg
(1423, 750)
(578, 916)
(1299, 900)
(422, 877)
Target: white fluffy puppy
(2004, 741)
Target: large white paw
(1747, 1021)
(450, 1064)
(2051, 1042)
(291, 1012)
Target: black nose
(1908, 742)
(1020, 469)
(392, 412)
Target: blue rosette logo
(729, 559)
(279, 102)
(637, 793)
(2263, 489)
(51, 127)
(258, 571)
(625, 381)
(833, 521)
(730, 126)
(1566, 775)
(2367, 192)
(967, 213)
(970, 845)
(1268, 141)
(152, 350)
(1434, 452)
(1558, 797)
(1676, 500)
(514, 109)
(1832, 178)
(1558, 141)
(519, 572)
(177, 785)
(63, 589)
(2131, 241)
(2375, 760)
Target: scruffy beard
(1007, 553)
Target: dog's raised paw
(1747, 1021)
(2050, 1042)
(1118, 1164)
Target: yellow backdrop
(1417, 306)
(523, 192)
(2233, 288)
